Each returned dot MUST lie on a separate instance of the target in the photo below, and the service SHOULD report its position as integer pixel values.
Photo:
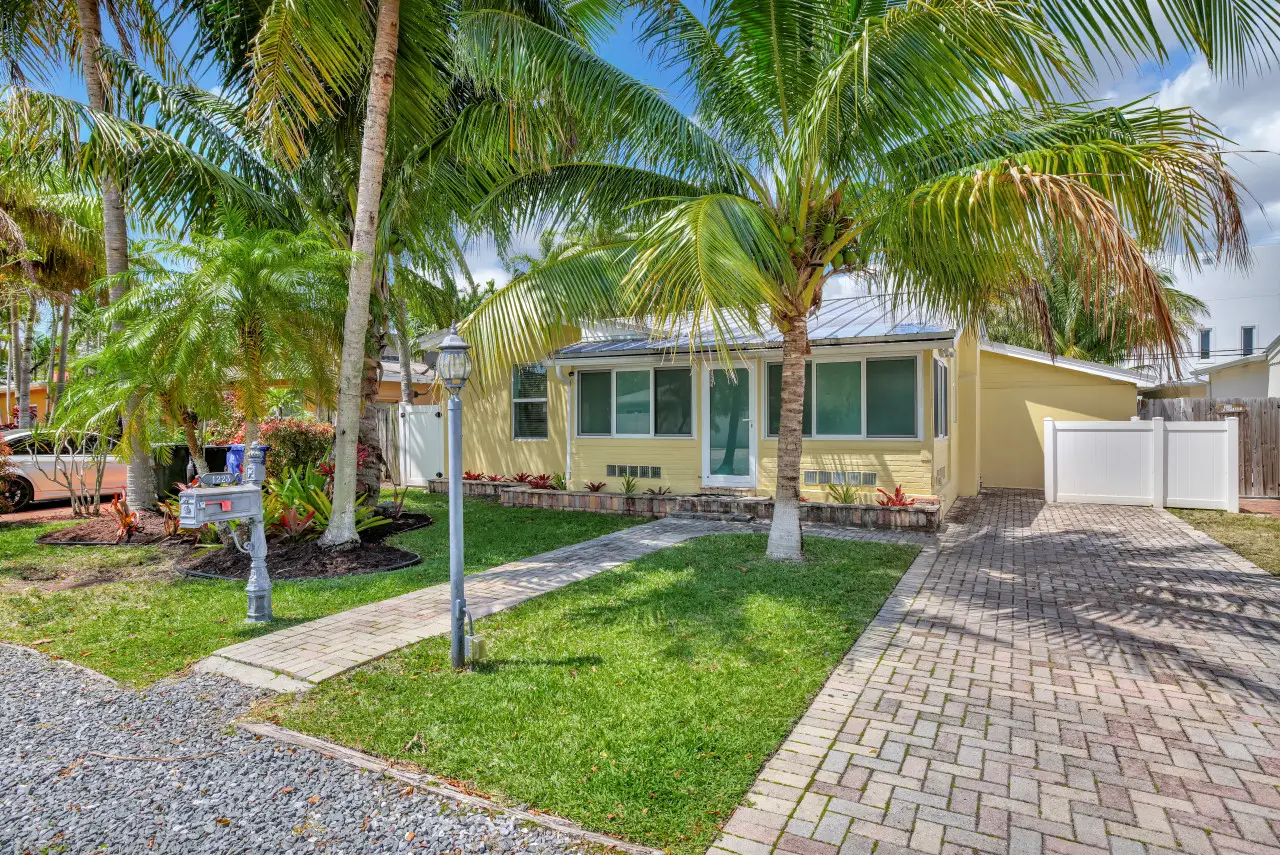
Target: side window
(529, 402)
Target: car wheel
(19, 492)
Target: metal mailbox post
(218, 498)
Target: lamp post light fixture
(453, 367)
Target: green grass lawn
(640, 702)
(1255, 537)
(140, 630)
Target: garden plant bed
(640, 702)
(305, 560)
(405, 522)
(101, 531)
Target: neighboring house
(1244, 314)
(1253, 376)
(891, 400)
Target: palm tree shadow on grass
(709, 603)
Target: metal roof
(846, 320)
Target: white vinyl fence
(1157, 463)
(421, 443)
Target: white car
(40, 475)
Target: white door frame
(753, 452)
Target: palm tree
(922, 138)
(50, 246)
(1059, 317)
(313, 69)
(53, 33)
(244, 308)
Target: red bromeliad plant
(473, 476)
(295, 527)
(596, 486)
(542, 482)
(897, 500)
(126, 520)
(497, 479)
(522, 477)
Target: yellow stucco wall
(489, 448)
(1019, 394)
(487, 445)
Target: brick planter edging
(923, 516)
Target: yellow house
(890, 400)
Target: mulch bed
(101, 530)
(306, 560)
(406, 522)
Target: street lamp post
(453, 367)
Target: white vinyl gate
(421, 443)
(1157, 463)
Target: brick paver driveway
(1054, 679)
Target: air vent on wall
(619, 470)
(822, 477)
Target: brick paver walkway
(1065, 679)
(323, 648)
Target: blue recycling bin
(235, 458)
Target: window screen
(1246, 340)
(839, 391)
(631, 402)
(774, 377)
(529, 402)
(673, 402)
(595, 401)
(941, 399)
(891, 397)
(1205, 336)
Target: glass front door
(729, 450)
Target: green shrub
(295, 444)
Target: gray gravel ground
(253, 795)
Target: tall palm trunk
(369, 472)
(24, 366)
(53, 352)
(61, 380)
(140, 488)
(405, 351)
(11, 365)
(189, 421)
(342, 524)
(784, 533)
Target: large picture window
(635, 402)
(529, 402)
(891, 397)
(773, 415)
(941, 399)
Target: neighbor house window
(1205, 340)
(635, 402)
(595, 403)
(941, 399)
(529, 402)
(891, 397)
(1246, 340)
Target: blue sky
(1247, 111)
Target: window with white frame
(529, 402)
(850, 399)
(1247, 335)
(1206, 340)
(941, 399)
(635, 402)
